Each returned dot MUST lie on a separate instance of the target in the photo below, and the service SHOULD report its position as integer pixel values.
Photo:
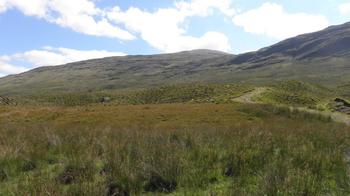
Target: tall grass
(272, 152)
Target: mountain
(114, 73)
(331, 42)
(320, 57)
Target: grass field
(192, 139)
(178, 149)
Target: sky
(36, 33)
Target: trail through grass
(249, 97)
(252, 97)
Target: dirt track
(250, 99)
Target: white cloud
(3, 6)
(210, 40)
(56, 56)
(6, 68)
(78, 15)
(31, 8)
(344, 8)
(49, 56)
(272, 20)
(164, 29)
(205, 7)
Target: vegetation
(195, 93)
(66, 130)
(179, 140)
(188, 93)
(344, 90)
(179, 149)
(288, 93)
(299, 94)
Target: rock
(341, 105)
(105, 100)
(342, 101)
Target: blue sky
(51, 32)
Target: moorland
(270, 122)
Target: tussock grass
(179, 149)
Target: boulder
(341, 105)
(342, 101)
(105, 100)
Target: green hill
(321, 57)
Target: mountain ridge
(314, 57)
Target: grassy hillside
(321, 57)
(193, 149)
(195, 93)
(290, 93)
(299, 94)
(330, 72)
(130, 72)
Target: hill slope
(334, 41)
(320, 57)
(114, 73)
